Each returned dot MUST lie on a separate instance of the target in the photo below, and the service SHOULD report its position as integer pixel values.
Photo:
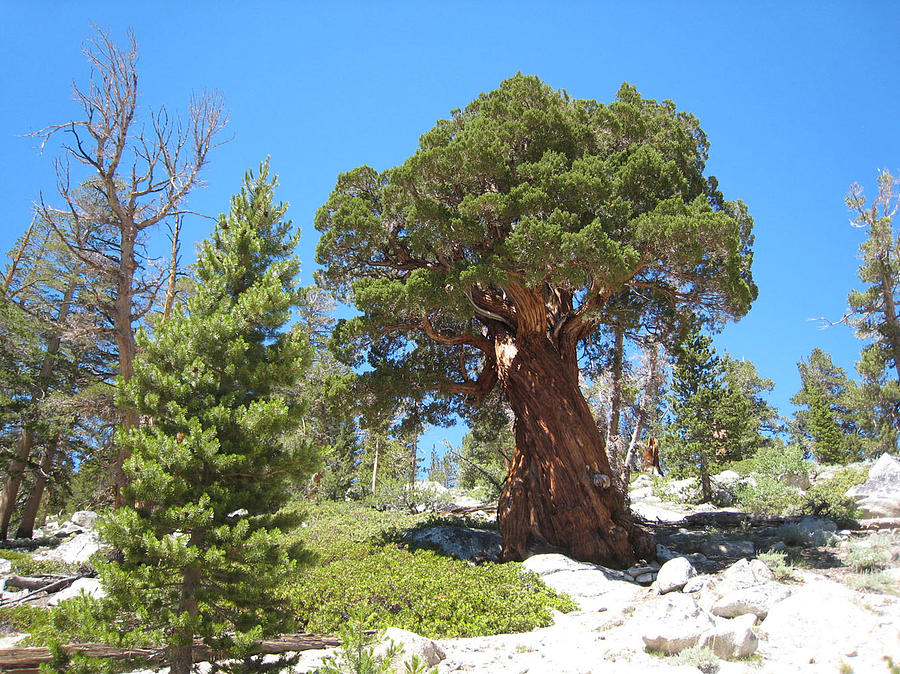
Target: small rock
(663, 554)
(645, 578)
(744, 573)
(732, 639)
(778, 546)
(5, 566)
(674, 574)
(636, 571)
(797, 480)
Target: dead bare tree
(141, 172)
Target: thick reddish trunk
(560, 491)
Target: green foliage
(203, 550)
(768, 493)
(78, 620)
(869, 554)
(781, 569)
(486, 449)
(356, 656)
(873, 581)
(709, 420)
(830, 426)
(704, 659)
(770, 496)
(363, 567)
(874, 310)
(829, 499)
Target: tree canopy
(530, 207)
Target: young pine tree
(208, 468)
(708, 417)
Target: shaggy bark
(560, 490)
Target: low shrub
(363, 568)
(829, 498)
(869, 554)
(767, 495)
(777, 562)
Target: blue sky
(799, 100)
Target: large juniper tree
(208, 467)
(496, 251)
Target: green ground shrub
(364, 567)
(829, 498)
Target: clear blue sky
(799, 100)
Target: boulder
(822, 620)
(88, 586)
(674, 574)
(732, 638)
(879, 495)
(76, 550)
(86, 519)
(756, 600)
(744, 573)
(727, 478)
(816, 530)
(594, 587)
(673, 623)
(797, 480)
(698, 583)
(413, 644)
(726, 548)
(5, 566)
(461, 542)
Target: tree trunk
(14, 479)
(559, 491)
(33, 503)
(647, 400)
(375, 465)
(182, 657)
(615, 401)
(26, 435)
(125, 344)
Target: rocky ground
(728, 593)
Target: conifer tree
(209, 469)
(709, 418)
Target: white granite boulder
(412, 644)
(732, 639)
(756, 600)
(87, 586)
(593, 587)
(674, 575)
(673, 623)
(76, 550)
(879, 495)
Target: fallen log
(27, 659)
(55, 586)
(39, 581)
